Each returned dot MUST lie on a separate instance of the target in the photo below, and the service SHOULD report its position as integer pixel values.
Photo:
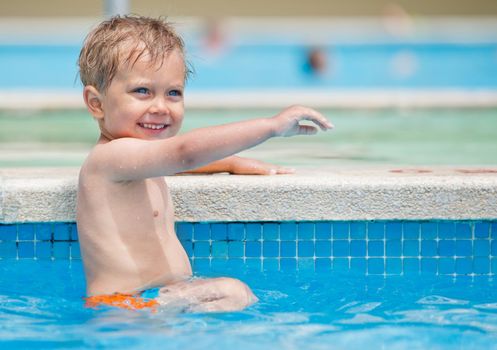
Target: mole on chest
(156, 213)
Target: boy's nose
(159, 106)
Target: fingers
(306, 130)
(306, 113)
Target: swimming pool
(346, 284)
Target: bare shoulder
(112, 156)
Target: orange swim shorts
(125, 301)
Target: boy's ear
(93, 101)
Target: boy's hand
(248, 166)
(288, 121)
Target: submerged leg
(207, 295)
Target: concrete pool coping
(383, 193)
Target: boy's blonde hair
(123, 40)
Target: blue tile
(288, 231)
(357, 230)
(376, 230)
(62, 232)
(323, 248)
(61, 250)
(411, 230)
(446, 230)
(201, 231)
(236, 231)
(253, 249)
(411, 247)
(482, 230)
(446, 266)
(75, 250)
(219, 249)
(340, 230)
(394, 266)
(253, 232)
(201, 249)
(288, 264)
(464, 248)
(184, 230)
(341, 248)
(219, 264)
(305, 248)
(43, 250)
(323, 230)
(26, 232)
(323, 264)
(305, 264)
(481, 247)
(463, 230)
(376, 248)
(358, 265)
(464, 266)
(358, 248)
(494, 247)
(188, 246)
(235, 249)
(428, 248)
(8, 249)
(74, 232)
(236, 263)
(393, 248)
(429, 266)
(481, 265)
(446, 247)
(428, 230)
(340, 265)
(270, 231)
(270, 249)
(271, 264)
(288, 249)
(8, 232)
(376, 266)
(493, 265)
(393, 230)
(43, 232)
(201, 264)
(219, 232)
(26, 250)
(493, 230)
(411, 266)
(305, 230)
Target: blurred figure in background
(317, 62)
(214, 40)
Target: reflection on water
(295, 310)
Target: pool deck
(383, 193)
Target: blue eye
(175, 93)
(141, 90)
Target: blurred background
(407, 83)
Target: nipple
(156, 213)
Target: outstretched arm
(132, 159)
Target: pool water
(361, 137)
(41, 306)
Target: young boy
(133, 71)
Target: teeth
(153, 126)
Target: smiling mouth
(153, 126)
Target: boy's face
(144, 100)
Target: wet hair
(121, 41)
